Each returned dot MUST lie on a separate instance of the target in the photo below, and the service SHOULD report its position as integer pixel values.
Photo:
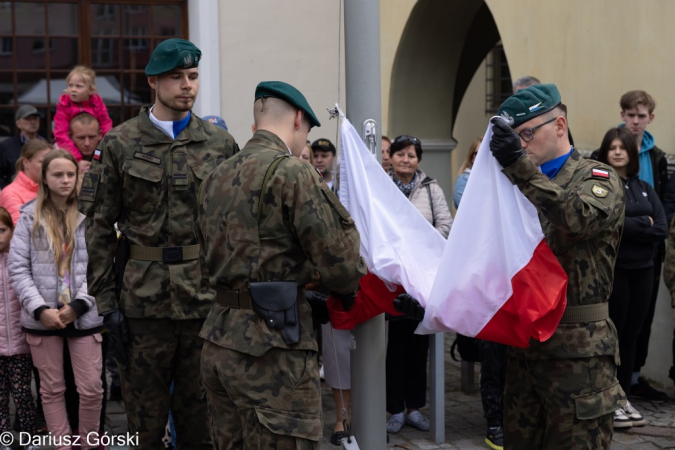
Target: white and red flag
(495, 277)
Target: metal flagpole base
(369, 415)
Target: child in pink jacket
(80, 96)
(15, 359)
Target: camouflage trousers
(270, 402)
(162, 351)
(560, 403)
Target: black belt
(586, 313)
(242, 299)
(169, 255)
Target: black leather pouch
(276, 302)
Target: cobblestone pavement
(464, 423)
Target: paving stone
(464, 423)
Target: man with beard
(148, 285)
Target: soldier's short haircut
(271, 110)
(84, 118)
(632, 99)
(523, 82)
(560, 110)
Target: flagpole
(362, 71)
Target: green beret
(172, 54)
(528, 103)
(289, 94)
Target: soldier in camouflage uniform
(144, 176)
(264, 393)
(561, 393)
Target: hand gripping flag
(494, 278)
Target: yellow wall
(294, 41)
(594, 51)
(393, 18)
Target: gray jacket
(428, 197)
(34, 276)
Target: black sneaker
(495, 438)
(644, 390)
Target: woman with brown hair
(644, 227)
(24, 187)
(406, 351)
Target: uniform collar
(150, 134)
(551, 168)
(269, 140)
(564, 175)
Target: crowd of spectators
(75, 399)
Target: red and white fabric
(494, 278)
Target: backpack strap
(431, 201)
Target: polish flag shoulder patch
(97, 155)
(599, 173)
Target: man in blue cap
(144, 177)
(562, 393)
(282, 226)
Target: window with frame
(42, 40)
(498, 86)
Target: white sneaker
(634, 415)
(621, 419)
(417, 420)
(395, 423)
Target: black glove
(116, 324)
(505, 143)
(317, 301)
(408, 306)
(347, 299)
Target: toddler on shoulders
(80, 96)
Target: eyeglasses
(528, 135)
(403, 137)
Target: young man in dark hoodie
(637, 111)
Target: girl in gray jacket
(48, 271)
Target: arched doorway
(442, 46)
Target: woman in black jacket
(644, 227)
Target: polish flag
(495, 277)
(499, 279)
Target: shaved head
(272, 111)
(284, 120)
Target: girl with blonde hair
(48, 271)
(465, 170)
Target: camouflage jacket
(303, 228)
(147, 183)
(669, 265)
(582, 217)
